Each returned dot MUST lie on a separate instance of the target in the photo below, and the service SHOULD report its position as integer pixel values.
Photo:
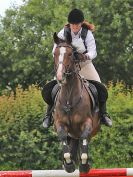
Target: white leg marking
(84, 158)
(67, 157)
(84, 142)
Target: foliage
(114, 33)
(113, 148)
(22, 138)
(25, 144)
(26, 39)
(25, 58)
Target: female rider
(87, 48)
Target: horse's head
(64, 58)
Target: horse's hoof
(84, 168)
(69, 167)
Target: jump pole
(114, 172)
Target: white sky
(5, 4)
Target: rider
(87, 47)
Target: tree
(27, 43)
(114, 33)
(26, 39)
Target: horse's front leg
(84, 142)
(62, 134)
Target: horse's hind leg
(68, 163)
(84, 164)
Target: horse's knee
(86, 133)
(62, 134)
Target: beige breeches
(88, 71)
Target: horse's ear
(56, 39)
(68, 38)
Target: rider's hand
(83, 57)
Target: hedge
(25, 144)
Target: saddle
(48, 92)
(95, 89)
(92, 91)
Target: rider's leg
(102, 96)
(48, 117)
(48, 93)
(88, 71)
(105, 118)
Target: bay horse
(74, 120)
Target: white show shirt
(79, 43)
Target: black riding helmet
(75, 16)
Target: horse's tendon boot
(68, 163)
(84, 151)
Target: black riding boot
(47, 121)
(105, 118)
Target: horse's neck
(72, 88)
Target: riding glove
(83, 57)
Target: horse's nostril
(59, 76)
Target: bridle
(73, 59)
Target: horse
(74, 119)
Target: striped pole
(114, 172)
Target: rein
(68, 107)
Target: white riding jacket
(79, 43)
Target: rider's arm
(91, 46)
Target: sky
(5, 4)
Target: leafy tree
(114, 33)
(26, 39)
